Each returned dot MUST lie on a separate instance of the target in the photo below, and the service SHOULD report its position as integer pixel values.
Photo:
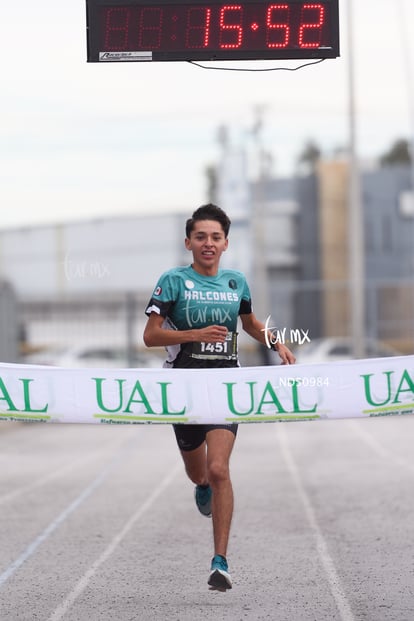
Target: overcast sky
(81, 140)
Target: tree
(212, 183)
(398, 153)
(310, 154)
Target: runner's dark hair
(208, 212)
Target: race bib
(216, 351)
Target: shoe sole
(219, 581)
(207, 515)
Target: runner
(193, 313)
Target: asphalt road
(99, 522)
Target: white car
(95, 356)
(339, 348)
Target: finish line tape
(349, 389)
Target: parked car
(340, 348)
(89, 356)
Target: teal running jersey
(187, 300)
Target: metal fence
(82, 328)
(10, 329)
(389, 311)
(115, 322)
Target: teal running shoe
(220, 579)
(202, 496)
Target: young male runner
(183, 316)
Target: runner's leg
(220, 443)
(195, 463)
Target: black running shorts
(190, 437)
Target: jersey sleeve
(246, 300)
(163, 296)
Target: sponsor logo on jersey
(211, 296)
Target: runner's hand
(212, 334)
(285, 354)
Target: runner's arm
(157, 336)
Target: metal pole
(261, 283)
(130, 316)
(355, 215)
(409, 77)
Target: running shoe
(220, 579)
(202, 496)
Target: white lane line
(378, 448)
(338, 594)
(45, 534)
(88, 575)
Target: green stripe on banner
(24, 416)
(268, 419)
(141, 419)
(391, 408)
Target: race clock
(163, 30)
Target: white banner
(350, 389)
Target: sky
(87, 140)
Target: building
(324, 245)
(88, 281)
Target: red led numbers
(198, 28)
(310, 26)
(124, 26)
(163, 30)
(312, 20)
(231, 30)
(277, 26)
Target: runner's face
(207, 242)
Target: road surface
(99, 523)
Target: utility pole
(355, 214)
(261, 298)
(409, 77)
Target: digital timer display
(162, 30)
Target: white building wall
(128, 253)
(114, 254)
